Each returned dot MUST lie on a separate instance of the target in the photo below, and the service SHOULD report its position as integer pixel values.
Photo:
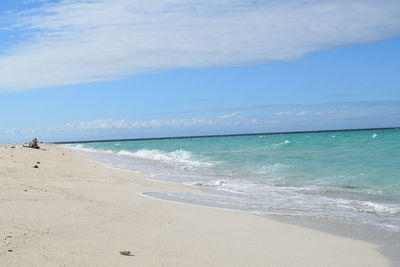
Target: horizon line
(218, 135)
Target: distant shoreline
(220, 135)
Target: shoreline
(77, 212)
(386, 244)
(389, 250)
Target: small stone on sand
(125, 252)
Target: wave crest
(177, 156)
(85, 149)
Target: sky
(112, 69)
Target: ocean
(345, 181)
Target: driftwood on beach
(34, 144)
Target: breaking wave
(176, 156)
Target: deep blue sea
(343, 178)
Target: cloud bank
(73, 42)
(272, 122)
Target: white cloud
(231, 116)
(303, 113)
(71, 41)
(283, 113)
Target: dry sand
(71, 211)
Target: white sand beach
(71, 211)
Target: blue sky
(99, 69)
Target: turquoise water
(342, 177)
